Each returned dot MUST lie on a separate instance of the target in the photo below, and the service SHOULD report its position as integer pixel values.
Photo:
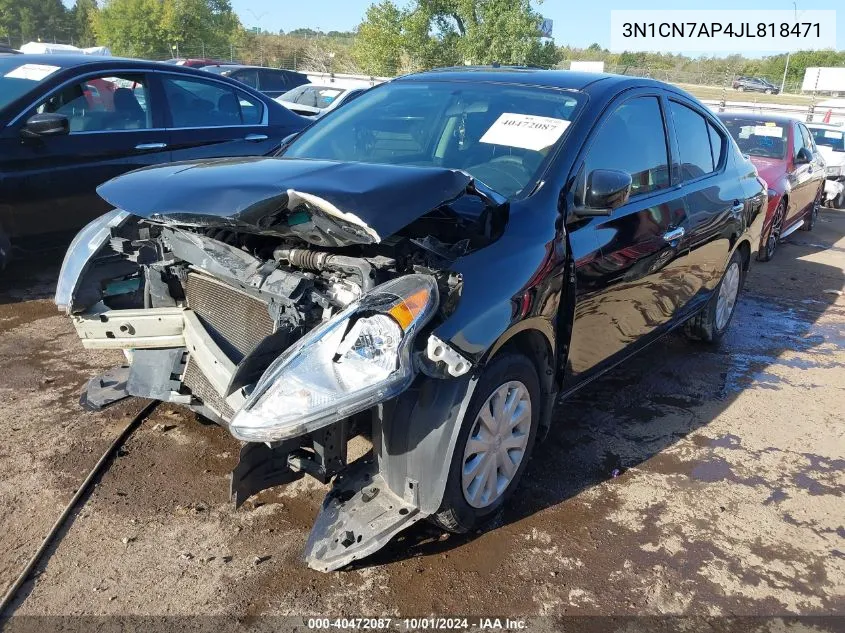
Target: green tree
(155, 28)
(22, 21)
(380, 39)
(82, 17)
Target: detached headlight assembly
(84, 246)
(357, 359)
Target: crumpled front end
(294, 348)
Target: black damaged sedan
(433, 267)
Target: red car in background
(785, 155)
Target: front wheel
(711, 323)
(494, 444)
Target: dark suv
(433, 266)
(755, 84)
(273, 82)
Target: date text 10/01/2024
(718, 29)
(416, 624)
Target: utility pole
(785, 68)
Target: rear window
(829, 138)
(18, 78)
(758, 137)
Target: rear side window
(272, 81)
(693, 141)
(197, 103)
(632, 139)
(797, 141)
(717, 141)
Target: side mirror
(606, 190)
(803, 157)
(46, 124)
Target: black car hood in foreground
(323, 202)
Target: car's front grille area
(196, 381)
(235, 320)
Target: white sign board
(525, 130)
(587, 67)
(824, 80)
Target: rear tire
(471, 496)
(711, 323)
(813, 213)
(768, 251)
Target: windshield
(498, 134)
(831, 138)
(18, 78)
(758, 137)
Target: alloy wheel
(496, 444)
(728, 291)
(774, 232)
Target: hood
(772, 170)
(830, 156)
(323, 202)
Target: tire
(768, 91)
(839, 203)
(741, 88)
(768, 250)
(813, 213)
(515, 374)
(709, 325)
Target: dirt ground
(729, 500)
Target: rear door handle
(255, 138)
(145, 146)
(674, 234)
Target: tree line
(391, 39)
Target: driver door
(50, 182)
(637, 282)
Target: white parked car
(314, 100)
(830, 141)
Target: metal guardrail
(811, 113)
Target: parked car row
(431, 266)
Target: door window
(693, 141)
(197, 103)
(632, 139)
(272, 81)
(799, 140)
(808, 140)
(248, 77)
(106, 103)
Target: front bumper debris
(358, 517)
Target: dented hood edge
(326, 203)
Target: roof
(566, 79)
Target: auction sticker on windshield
(766, 130)
(525, 130)
(33, 72)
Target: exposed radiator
(196, 381)
(237, 322)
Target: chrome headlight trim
(357, 359)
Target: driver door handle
(255, 138)
(146, 146)
(674, 234)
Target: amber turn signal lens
(409, 308)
